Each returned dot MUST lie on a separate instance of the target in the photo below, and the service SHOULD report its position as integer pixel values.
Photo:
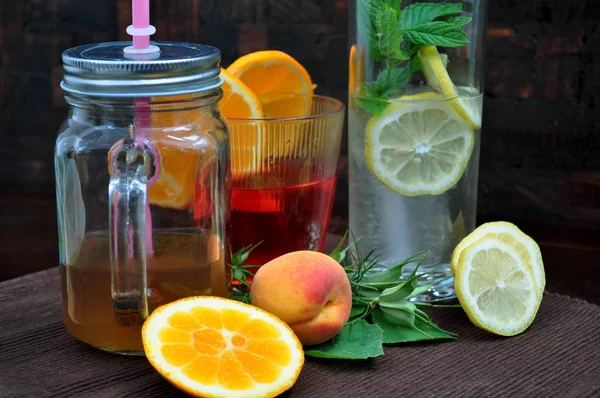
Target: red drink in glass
(283, 179)
(285, 217)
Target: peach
(307, 290)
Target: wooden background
(540, 160)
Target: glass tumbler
(284, 177)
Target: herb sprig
(381, 306)
(382, 309)
(239, 282)
(393, 35)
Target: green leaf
(436, 33)
(400, 331)
(239, 257)
(357, 340)
(424, 322)
(421, 13)
(357, 310)
(372, 105)
(388, 33)
(395, 316)
(238, 285)
(401, 305)
(393, 80)
(458, 21)
(400, 292)
(415, 64)
(395, 4)
(338, 254)
(370, 99)
(381, 285)
(420, 290)
(366, 10)
(244, 297)
(368, 292)
(392, 274)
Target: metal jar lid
(104, 69)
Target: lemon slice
(419, 145)
(467, 104)
(496, 288)
(515, 238)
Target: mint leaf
(393, 35)
(395, 4)
(436, 33)
(458, 21)
(420, 13)
(401, 331)
(371, 99)
(388, 33)
(357, 340)
(396, 79)
(366, 10)
(415, 64)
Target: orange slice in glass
(238, 100)
(271, 73)
(215, 347)
(185, 153)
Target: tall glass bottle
(415, 105)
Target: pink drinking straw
(140, 11)
(141, 30)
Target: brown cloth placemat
(558, 356)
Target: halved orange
(216, 347)
(270, 73)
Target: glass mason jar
(415, 106)
(142, 176)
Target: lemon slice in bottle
(419, 145)
(468, 104)
(512, 236)
(496, 288)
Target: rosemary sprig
(238, 284)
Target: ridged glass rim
(339, 108)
